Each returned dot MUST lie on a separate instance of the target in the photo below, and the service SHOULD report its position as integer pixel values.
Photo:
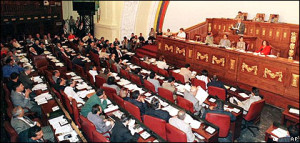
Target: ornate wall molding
(204, 56)
(273, 75)
(220, 61)
(249, 69)
(167, 48)
(295, 80)
(292, 45)
(180, 51)
(232, 64)
(129, 15)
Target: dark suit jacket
(23, 137)
(159, 114)
(78, 61)
(38, 49)
(232, 117)
(241, 29)
(10, 84)
(142, 106)
(26, 81)
(217, 84)
(120, 133)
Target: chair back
(97, 137)
(109, 92)
(76, 113)
(114, 68)
(185, 104)
(66, 101)
(7, 92)
(90, 78)
(217, 91)
(255, 110)
(148, 85)
(165, 93)
(11, 131)
(124, 74)
(87, 127)
(80, 71)
(133, 110)
(69, 63)
(144, 65)
(220, 120)
(99, 81)
(178, 77)
(9, 111)
(135, 79)
(156, 125)
(153, 68)
(118, 100)
(58, 95)
(135, 60)
(8, 101)
(174, 134)
(163, 72)
(197, 82)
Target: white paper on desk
(236, 99)
(145, 135)
(179, 93)
(83, 93)
(172, 111)
(107, 101)
(37, 79)
(118, 114)
(236, 110)
(145, 71)
(272, 56)
(180, 87)
(125, 61)
(59, 64)
(233, 89)
(71, 73)
(188, 119)
(176, 71)
(72, 139)
(163, 103)
(295, 111)
(147, 94)
(244, 95)
(114, 74)
(227, 87)
(55, 108)
(210, 129)
(111, 108)
(149, 99)
(64, 129)
(280, 133)
(39, 86)
(195, 124)
(201, 95)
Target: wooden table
(289, 118)
(269, 134)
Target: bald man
(191, 96)
(178, 122)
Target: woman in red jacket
(265, 49)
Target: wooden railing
(197, 30)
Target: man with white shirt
(69, 91)
(253, 97)
(153, 80)
(162, 63)
(181, 34)
(93, 71)
(178, 122)
(20, 123)
(15, 43)
(204, 77)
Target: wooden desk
(289, 118)
(277, 78)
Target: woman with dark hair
(265, 49)
(111, 83)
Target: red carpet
(148, 50)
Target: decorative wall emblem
(205, 56)
(232, 64)
(292, 45)
(220, 61)
(257, 31)
(180, 51)
(264, 32)
(159, 45)
(249, 69)
(190, 53)
(270, 33)
(209, 27)
(295, 80)
(273, 75)
(167, 48)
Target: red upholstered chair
(216, 91)
(11, 131)
(69, 63)
(185, 104)
(114, 68)
(135, 79)
(197, 82)
(178, 77)
(80, 71)
(144, 65)
(97, 137)
(109, 92)
(253, 115)
(58, 95)
(156, 125)
(108, 64)
(163, 72)
(220, 120)
(99, 81)
(76, 113)
(8, 111)
(87, 127)
(119, 100)
(135, 60)
(66, 101)
(174, 134)
(133, 110)
(153, 68)
(165, 93)
(148, 85)
(7, 92)
(90, 78)
(124, 74)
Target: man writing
(239, 27)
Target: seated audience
(15, 43)
(105, 74)
(69, 91)
(116, 42)
(37, 47)
(170, 85)
(98, 98)
(25, 78)
(219, 109)
(33, 51)
(29, 39)
(71, 36)
(124, 94)
(191, 96)
(111, 60)
(216, 83)
(33, 134)
(46, 41)
(168, 33)
(254, 96)
(155, 110)
(181, 34)
(273, 19)
(10, 67)
(78, 60)
(225, 42)
(55, 75)
(186, 72)
(118, 64)
(101, 124)
(139, 101)
(241, 45)
(112, 84)
(209, 39)
(152, 36)
(120, 132)
(204, 77)
(21, 123)
(14, 79)
(258, 18)
(60, 84)
(152, 78)
(137, 72)
(159, 32)
(161, 63)
(178, 122)
(265, 49)
(93, 71)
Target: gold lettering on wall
(224, 27)
(251, 30)
(270, 33)
(159, 45)
(167, 48)
(277, 34)
(264, 32)
(245, 30)
(257, 31)
(215, 26)
(292, 45)
(293, 37)
(232, 64)
(205, 56)
(209, 27)
(273, 75)
(190, 53)
(180, 51)
(219, 27)
(295, 80)
(249, 69)
(220, 61)
(284, 35)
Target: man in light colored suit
(190, 95)
(22, 99)
(25, 79)
(101, 124)
(153, 80)
(20, 123)
(178, 122)
(225, 42)
(186, 72)
(170, 85)
(240, 27)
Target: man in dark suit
(219, 109)
(239, 27)
(155, 111)
(33, 134)
(139, 101)
(25, 79)
(120, 132)
(37, 47)
(216, 83)
(78, 60)
(14, 78)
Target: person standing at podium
(239, 27)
